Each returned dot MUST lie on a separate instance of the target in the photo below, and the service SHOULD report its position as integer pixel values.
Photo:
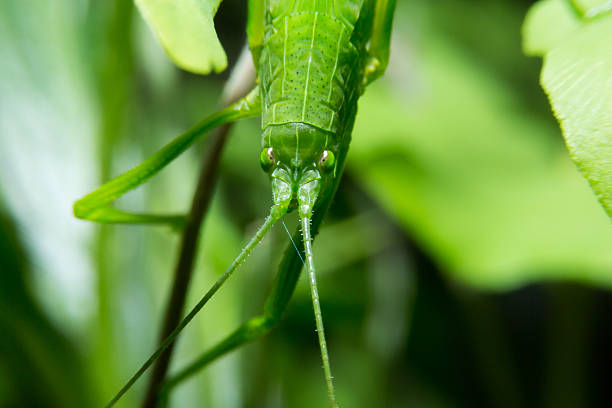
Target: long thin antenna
(293, 242)
(244, 253)
(317, 311)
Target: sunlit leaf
(186, 30)
(577, 76)
(548, 22)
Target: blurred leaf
(577, 75)
(186, 30)
(474, 177)
(44, 368)
(547, 23)
(591, 8)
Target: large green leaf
(186, 30)
(577, 76)
(476, 178)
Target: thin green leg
(260, 325)
(244, 253)
(96, 207)
(249, 331)
(317, 311)
(380, 40)
(256, 327)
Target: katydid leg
(254, 328)
(244, 253)
(378, 46)
(96, 205)
(260, 325)
(274, 308)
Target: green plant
(577, 76)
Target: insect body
(314, 59)
(309, 71)
(309, 75)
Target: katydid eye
(266, 158)
(327, 160)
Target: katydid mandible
(313, 59)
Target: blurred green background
(464, 263)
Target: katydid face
(300, 163)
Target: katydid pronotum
(313, 58)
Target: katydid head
(300, 164)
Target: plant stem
(112, 59)
(189, 241)
(184, 266)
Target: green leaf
(591, 8)
(474, 176)
(547, 23)
(577, 76)
(186, 30)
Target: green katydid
(313, 59)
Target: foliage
(577, 75)
(457, 183)
(185, 29)
(494, 199)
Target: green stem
(112, 60)
(241, 78)
(169, 340)
(184, 267)
(249, 331)
(274, 308)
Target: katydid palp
(313, 59)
